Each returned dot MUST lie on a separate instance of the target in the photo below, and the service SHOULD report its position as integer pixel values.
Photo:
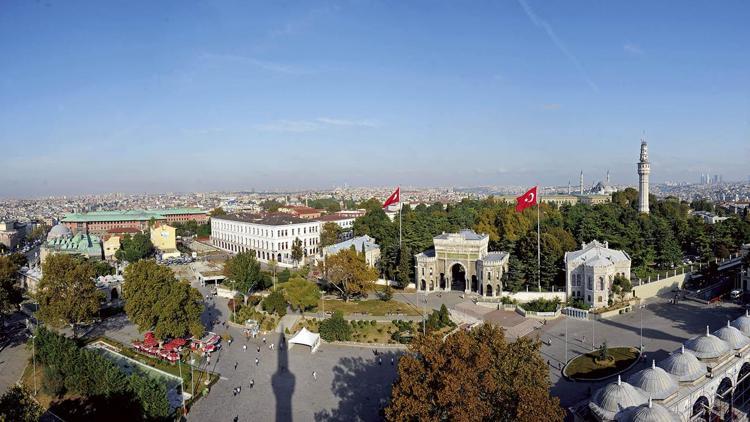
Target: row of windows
(578, 281)
(259, 253)
(264, 244)
(258, 231)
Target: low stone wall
(663, 286)
(609, 314)
(538, 315)
(523, 297)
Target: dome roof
(733, 336)
(655, 381)
(684, 366)
(58, 231)
(707, 346)
(614, 398)
(743, 323)
(652, 412)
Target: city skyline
(227, 97)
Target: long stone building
(460, 261)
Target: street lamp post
(182, 384)
(641, 312)
(566, 339)
(33, 357)
(593, 332)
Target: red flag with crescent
(526, 200)
(394, 198)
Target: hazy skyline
(196, 96)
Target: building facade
(644, 170)
(360, 243)
(271, 236)
(590, 271)
(10, 236)
(164, 239)
(102, 222)
(460, 261)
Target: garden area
(336, 328)
(371, 307)
(602, 363)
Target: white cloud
(266, 65)
(632, 49)
(321, 123)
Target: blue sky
(185, 96)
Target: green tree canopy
(10, 294)
(243, 272)
(330, 233)
(67, 293)
(301, 294)
(134, 248)
(335, 328)
(154, 299)
(297, 252)
(18, 405)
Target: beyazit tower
(644, 168)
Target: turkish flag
(394, 198)
(526, 200)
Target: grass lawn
(585, 368)
(372, 307)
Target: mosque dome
(614, 398)
(655, 381)
(684, 366)
(743, 323)
(733, 336)
(707, 346)
(58, 231)
(652, 412)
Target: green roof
(128, 215)
(80, 243)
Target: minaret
(569, 187)
(580, 181)
(644, 168)
(607, 177)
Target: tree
(405, 267)
(350, 274)
(135, 248)
(330, 233)
(39, 232)
(102, 268)
(17, 405)
(243, 272)
(621, 285)
(473, 375)
(154, 299)
(301, 294)
(10, 294)
(297, 251)
(217, 212)
(275, 303)
(335, 328)
(67, 293)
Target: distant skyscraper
(644, 168)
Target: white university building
(590, 271)
(271, 236)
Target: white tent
(307, 338)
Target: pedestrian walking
(271, 346)
(236, 418)
(235, 365)
(315, 375)
(258, 349)
(229, 342)
(239, 389)
(234, 392)
(264, 340)
(252, 383)
(380, 361)
(256, 361)
(244, 347)
(391, 361)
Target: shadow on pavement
(363, 387)
(283, 382)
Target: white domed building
(705, 380)
(58, 231)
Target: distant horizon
(405, 187)
(144, 96)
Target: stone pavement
(13, 352)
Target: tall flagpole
(400, 208)
(538, 244)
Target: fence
(575, 312)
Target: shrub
(53, 382)
(275, 303)
(373, 322)
(335, 328)
(284, 276)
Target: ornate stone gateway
(460, 262)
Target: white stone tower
(580, 182)
(644, 168)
